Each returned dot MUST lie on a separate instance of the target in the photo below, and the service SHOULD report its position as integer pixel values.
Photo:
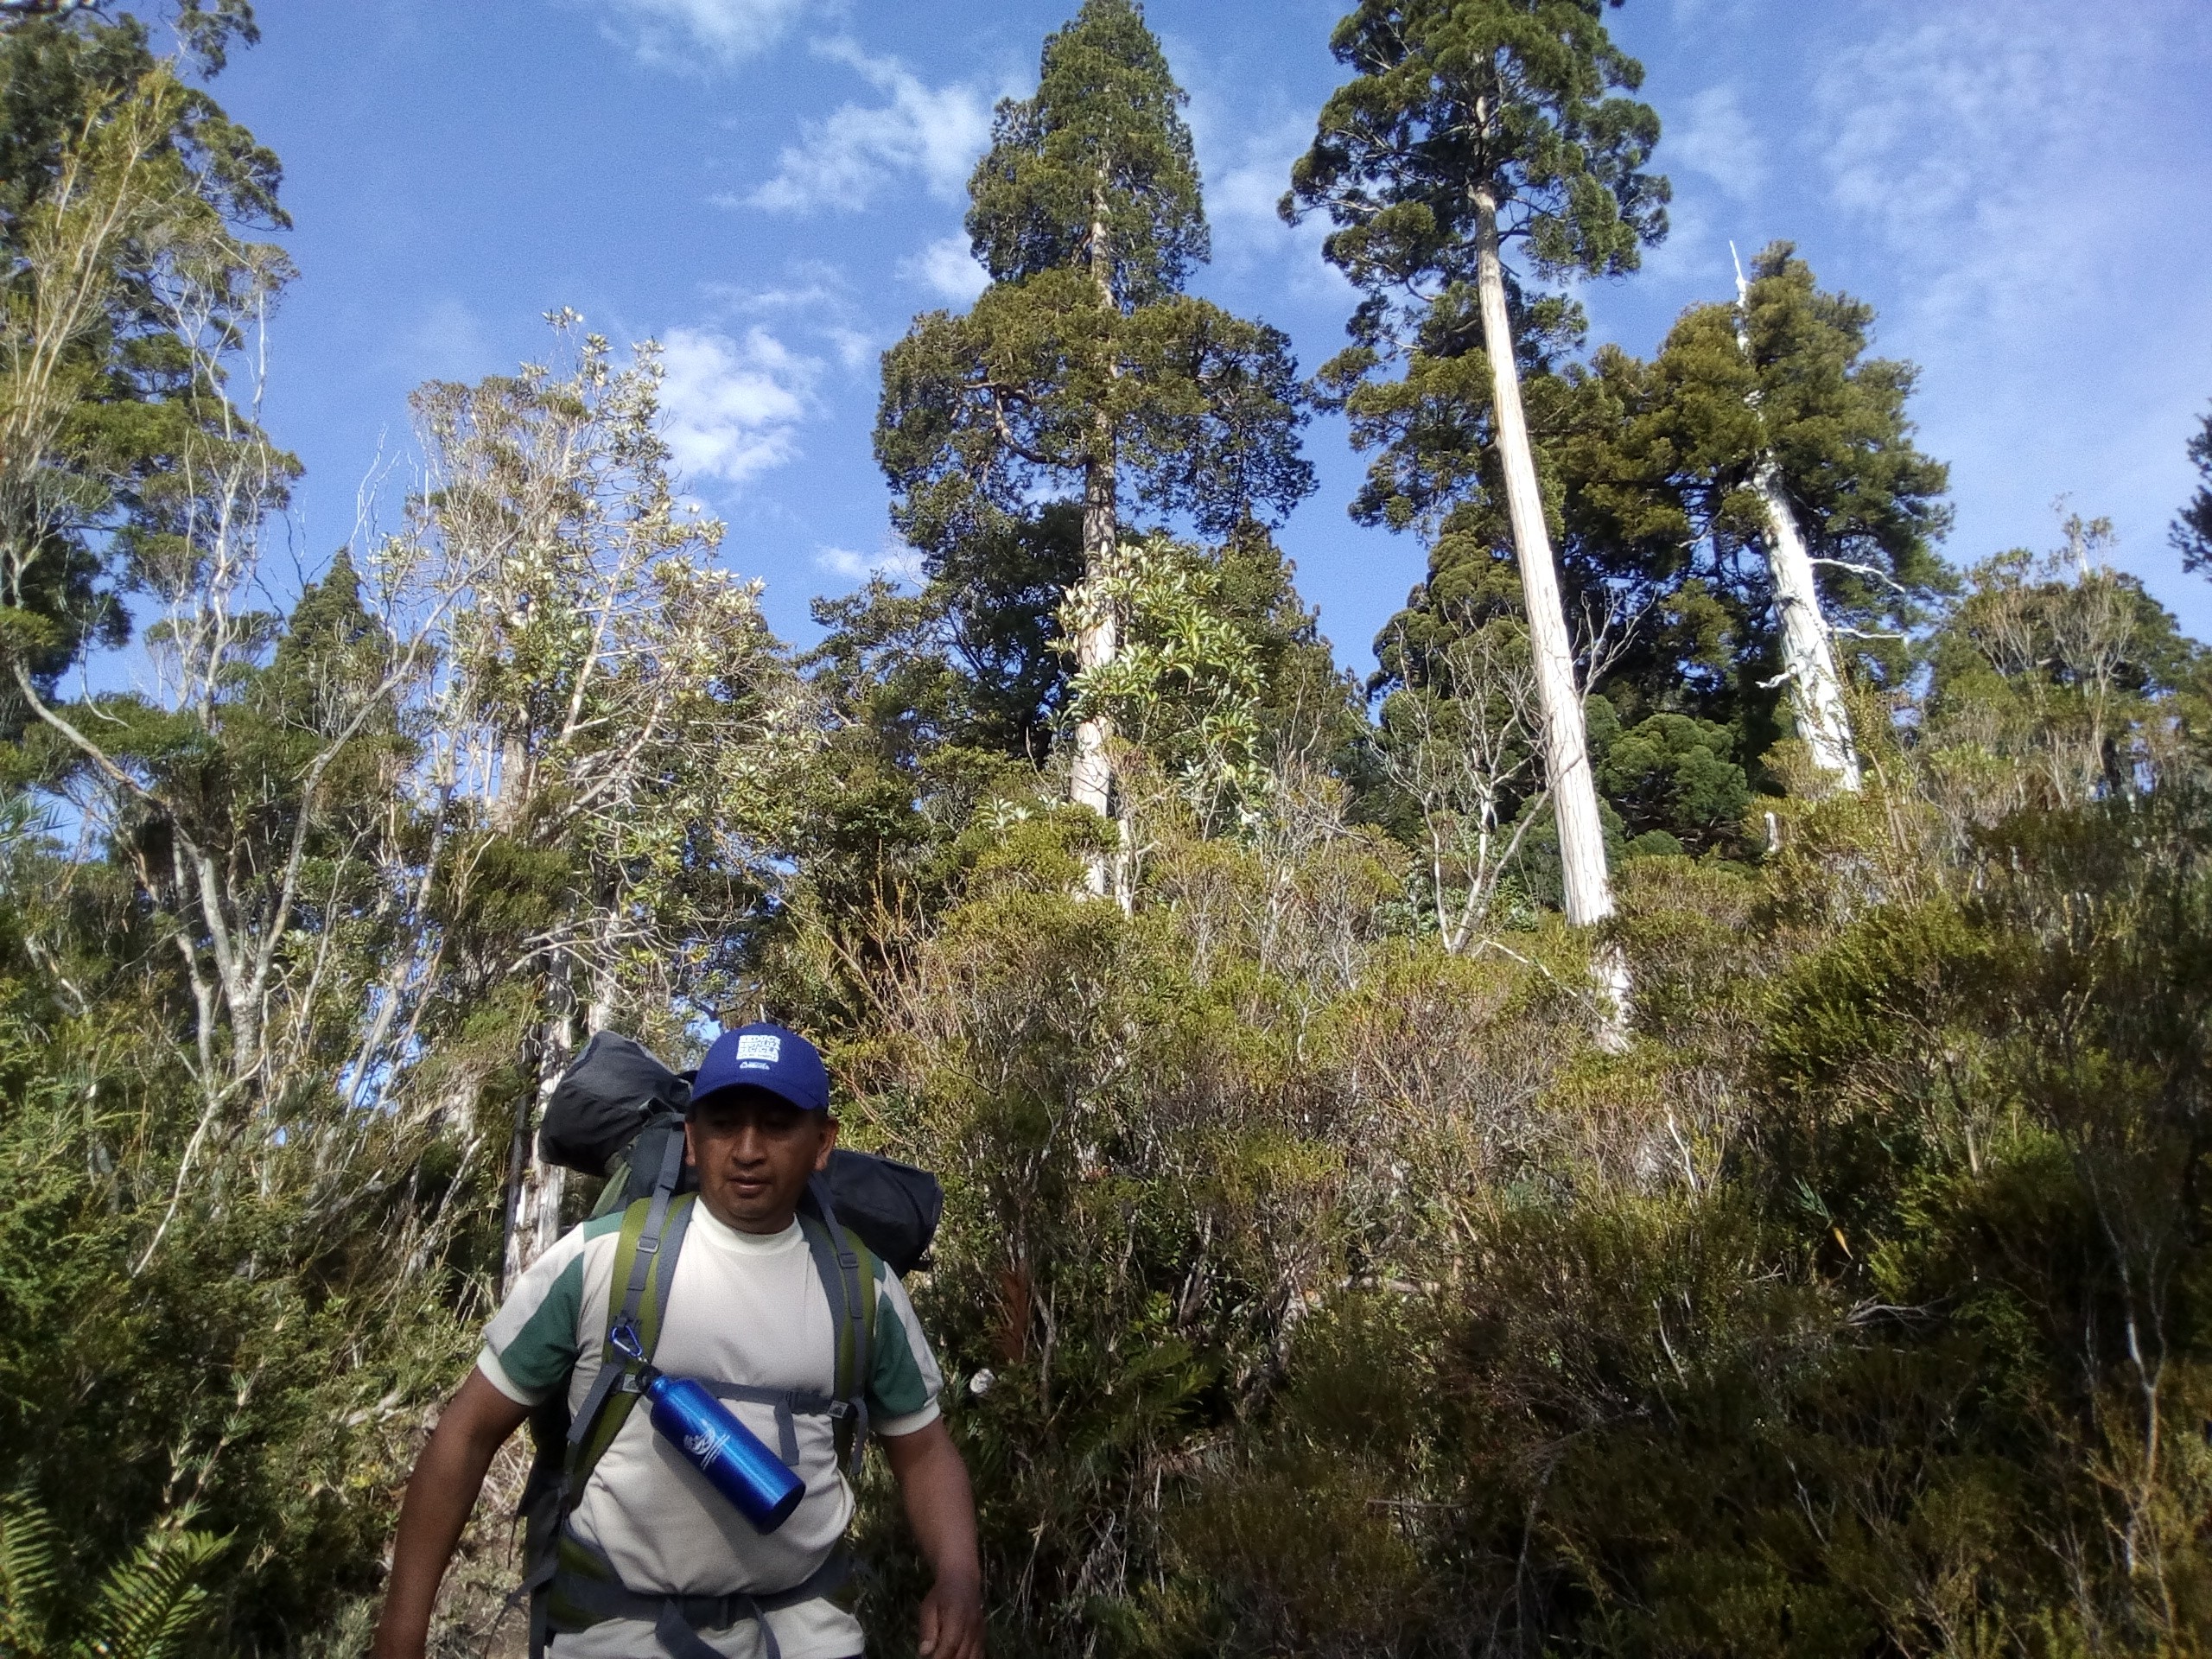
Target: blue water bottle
(713, 1441)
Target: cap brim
(731, 1090)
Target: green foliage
(1186, 682)
(1672, 776)
(2192, 528)
(1100, 152)
(972, 660)
(1511, 98)
(143, 1607)
(123, 195)
(1084, 370)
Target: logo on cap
(760, 1047)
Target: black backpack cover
(615, 1089)
(610, 1115)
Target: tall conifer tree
(1085, 367)
(1468, 123)
(1776, 430)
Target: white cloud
(1981, 145)
(852, 347)
(893, 559)
(2017, 178)
(732, 408)
(843, 158)
(1717, 138)
(947, 269)
(1244, 159)
(449, 342)
(1693, 13)
(671, 32)
(818, 301)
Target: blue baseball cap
(764, 1056)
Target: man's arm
(440, 1494)
(942, 1510)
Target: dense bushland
(1334, 1262)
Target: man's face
(753, 1152)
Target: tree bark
(1090, 781)
(1589, 898)
(535, 1211)
(1090, 784)
(1823, 719)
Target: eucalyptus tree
(1084, 372)
(1468, 125)
(604, 745)
(131, 459)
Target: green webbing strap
(616, 1389)
(636, 1255)
(644, 1264)
(843, 1272)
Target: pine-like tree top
(1451, 98)
(1103, 142)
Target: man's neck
(752, 1228)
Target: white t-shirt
(744, 1308)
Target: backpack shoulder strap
(645, 1266)
(649, 1264)
(847, 1270)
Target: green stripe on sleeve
(898, 1387)
(534, 1336)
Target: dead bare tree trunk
(1090, 783)
(534, 1215)
(1589, 898)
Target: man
(674, 1571)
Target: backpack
(619, 1113)
(617, 1108)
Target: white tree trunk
(1823, 719)
(1559, 698)
(1090, 782)
(539, 1194)
(1816, 689)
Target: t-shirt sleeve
(904, 1378)
(530, 1345)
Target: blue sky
(772, 188)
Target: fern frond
(30, 1579)
(149, 1602)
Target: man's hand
(952, 1619)
(440, 1494)
(942, 1510)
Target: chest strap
(790, 1404)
